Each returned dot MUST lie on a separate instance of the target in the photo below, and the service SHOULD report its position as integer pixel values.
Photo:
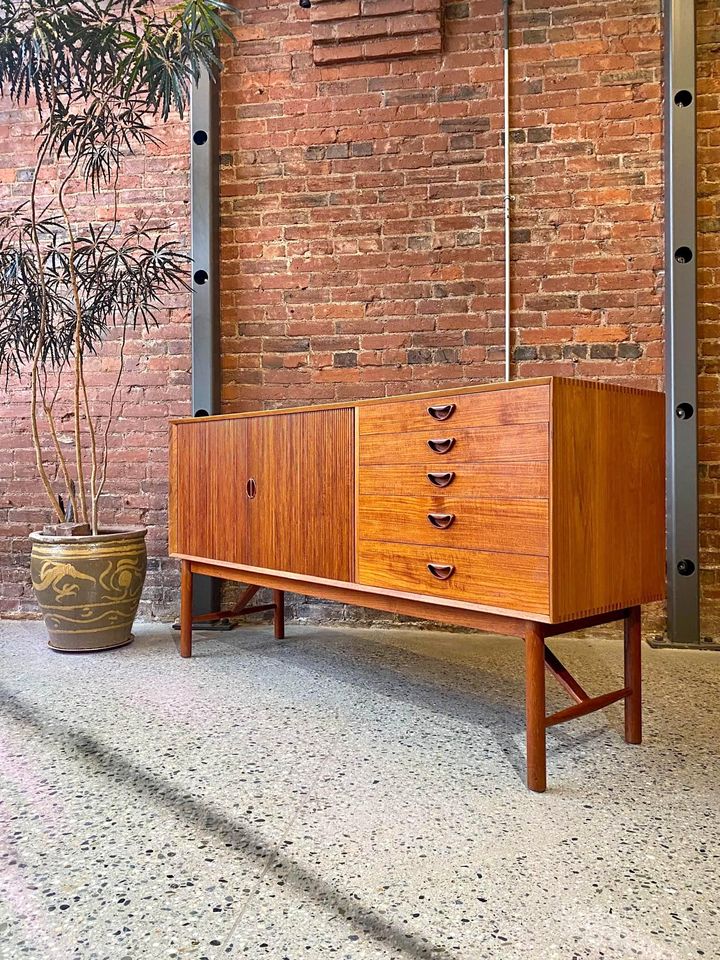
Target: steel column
(680, 324)
(204, 202)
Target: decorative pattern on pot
(89, 588)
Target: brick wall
(362, 225)
(708, 104)
(155, 386)
(362, 202)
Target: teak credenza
(528, 509)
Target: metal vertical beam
(680, 324)
(507, 199)
(204, 202)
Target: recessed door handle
(441, 446)
(251, 488)
(441, 520)
(441, 571)
(441, 479)
(442, 412)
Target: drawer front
(448, 446)
(514, 405)
(505, 481)
(501, 580)
(511, 526)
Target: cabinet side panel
(608, 498)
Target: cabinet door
(208, 491)
(300, 518)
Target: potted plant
(103, 76)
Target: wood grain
(299, 462)
(491, 579)
(511, 526)
(478, 388)
(607, 498)
(301, 518)
(535, 708)
(525, 441)
(633, 675)
(186, 602)
(527, 405)
(511, 480)
(208, 495)
(505, 622)
(172, 491)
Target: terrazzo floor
(349, 794)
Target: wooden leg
(185, 609)
(279, 615)
(633, 676)
(535, 707)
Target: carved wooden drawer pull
(441, 446)
(441, 479)
(442, 412)
(442, 571)
(441, 520)
(251, 488)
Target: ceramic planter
(89, 588)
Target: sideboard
(530, 509)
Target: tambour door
(299, 493)
(208, 504)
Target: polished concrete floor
(349, 794)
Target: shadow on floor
(491, 701)
(238, 837)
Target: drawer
(508, 581)
(504, 480)
(512, 526)
(447, 446)
(487, 408)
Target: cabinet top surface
(429, 394)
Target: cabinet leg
(633, 676)
(535, 707)
(186, 601)
(279, 615)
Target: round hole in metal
(200, 138)
(201, 413)
(686, 568)
(200, 277)
(683, 411)
(683, 255)
(683, 98)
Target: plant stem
(50, 417)
(123, 340)
(79, 390)
(37, 353)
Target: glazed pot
(89, 588)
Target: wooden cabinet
(571, 471)
(255, 490)
(528, 508)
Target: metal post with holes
(204, 202)
(680, 325)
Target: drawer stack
(453, 497)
